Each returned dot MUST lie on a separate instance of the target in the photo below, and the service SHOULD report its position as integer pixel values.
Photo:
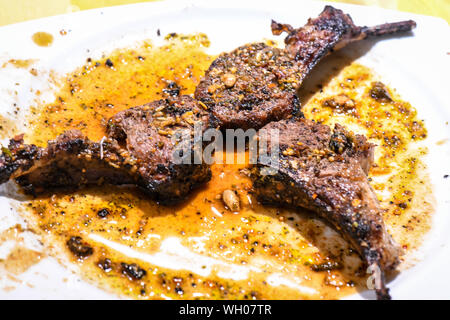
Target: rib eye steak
(326, 172)
(139, 150)
(257, 83)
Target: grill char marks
(326, 172)
(138, 150)
(257, 83)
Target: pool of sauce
(200, 249)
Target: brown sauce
(20, 258)
(42, 39)
(200, 249)
(19, 63)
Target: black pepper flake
(445, 176)
(79, 248)
(103, 213)
(326, 266)
(133, 271)
(172, 89)
(105, 265)
(179, 291)
(109, 63)
(403, 205)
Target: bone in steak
(139, 150)
(257, 83)
(326, 172)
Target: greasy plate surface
(395, 60)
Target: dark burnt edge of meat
(69, 151)
(388, 28)
(331, 30)
(325, 172)
(256, 83)
(73, 161)
(307, 45)
(335, 30)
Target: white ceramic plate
(417, 66)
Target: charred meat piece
(380, 93)
(105, 264)
(133, 271)
(69, 160)
(249, 87)
(79, 248)
(139, 150)
(257, 83)
(148, 133)
(326, 172)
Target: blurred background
(12, 11)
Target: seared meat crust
(69, 160)
(249, 87)
(257, 83)
(139, 150)
(326, 172)
(148, 131)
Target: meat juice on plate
(133, 246)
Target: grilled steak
(257, 83)
(249, 87)
(139, 150)
(318, 169)
(326, 172)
